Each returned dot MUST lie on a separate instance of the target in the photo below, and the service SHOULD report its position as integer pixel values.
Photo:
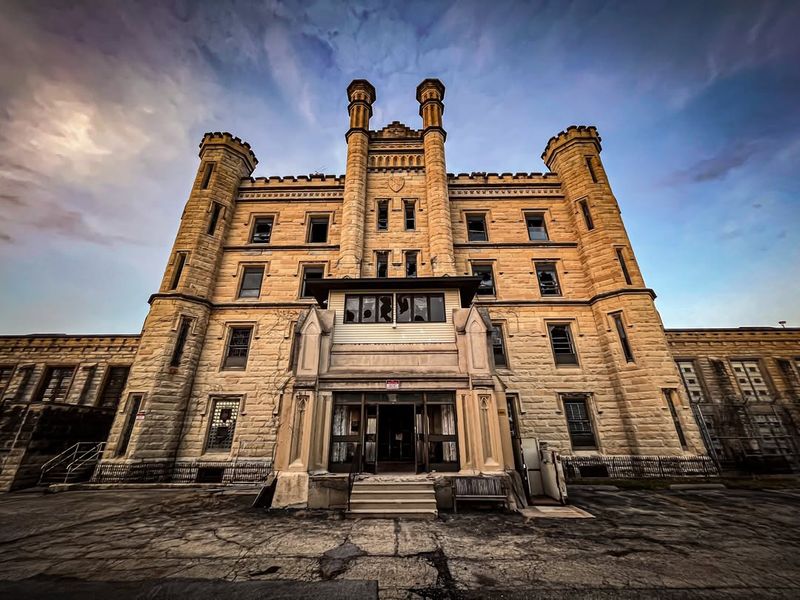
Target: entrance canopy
(467, 286)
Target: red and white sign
(392, 384)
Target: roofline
(467, 285)
(69, 335)
(730, 329)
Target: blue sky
(102, 105)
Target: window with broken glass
(476, 228)
(486, 285)
(548, 279)
(238, 348)
(420, 308)
(368, 308)
(262, 230)
(223, 424)
(382, 264)
(318, 230)
(310, 273)
(411, 263)
(383, 215)
(563, 346)
(537, 230)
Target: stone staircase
(387, 498)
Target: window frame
(588, 220)
(226, 354)
(183, 329)
(570, 339)
(217, 214)
(132, 408)
(412, 204)
(303, 271)
(215, 401)
(180, 261)
(310, 228)
(102, 390)
(208, 173)
(536, 213)
(586, 400)
(359, 314)
(380, 204)
(499, 327)
(470, 215)
(46, 377)
(255, 219)
(669, 396)
(591, 168)
(622, 336)
(378, 254)
(406, 255)
(413, 296)
(242, 277)
(626, 274)
(554, 263)
(490, 266)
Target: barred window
(751, 380)
(548, 279)
(56, 384)
(691, 380)
(114, 384)
(87, 383)
(579, 423)
(563, 347)
(238, 348)
(223, 423)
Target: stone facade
(252, 358)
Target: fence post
(660, 468)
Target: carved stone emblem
(396, 183)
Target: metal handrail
(91, 455)
(70, 454)
(355, 469)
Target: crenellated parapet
(573, 134)
(235, 144)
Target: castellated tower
(631, 334)
(174, 331)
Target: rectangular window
(579, 423)
(223, 423)
(180, 342)
(368, 309)
(87, 384)
(24, 383)
(238, 348)
(411, 263)
(563, 346)
(262, 230)
(751, 381)
(498, 346)
(5, 378)
(587, 216)
(56, 384)
(251, 282)
(180, 262)
(420, 308)
(623, 337)
(537, 230)
(310, 273)
(382, 264)
(548, 279)
(590, 167)
(216, 210)
(112, 388)
(476, 228)
(134, 404)
(785, 367)
(668, 395)
(318, 230)
(623, 266)
(410, 215)
(383, 215)
(207, 172)
(486, 287)
(691, 380)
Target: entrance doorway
(396, 451)
(389, 432)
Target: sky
(103, 104)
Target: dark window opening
(411, 264)
(498, 346)
(410, 215)
(476, 228)
(180, 342)
(114, 385)
(368, 309)
(623, 337)
(563, 346)
(251, 282)
(262, 230)
(420, 308)
(87, 384)
(587, 216)
(318, 230)
(675, 418)
(310, 273)
(5, 378)
(383, 215)
(590, 167)
(579, 423)
(486, 286)
(223, 423)
(537, 230)
(56, 384)
(24, 384)
(381, 264)
(180, 262)
(548, 279)
(624, 266)
(216, 210)
(135, 403)
(238, 348)
(207, 172)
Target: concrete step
(393, 494)
(393, 485)
(424, 513)
(392, 498)
(381, 505)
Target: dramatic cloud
(104, 103)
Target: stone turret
(174, 330)
(361, 95)
(430, 94)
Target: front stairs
(389, 498)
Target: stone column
(351, 240)
(430, 94)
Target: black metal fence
(637, 467)
(182, 472)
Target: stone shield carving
(396, 183)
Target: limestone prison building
(397, 319)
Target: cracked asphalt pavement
(181, 543)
